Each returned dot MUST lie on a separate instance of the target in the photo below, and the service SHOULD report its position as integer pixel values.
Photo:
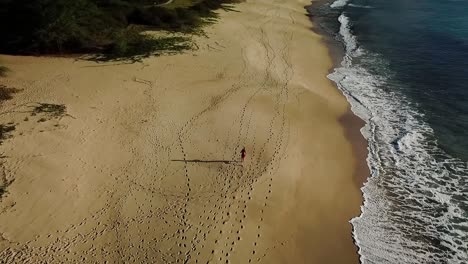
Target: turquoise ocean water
(405, 72)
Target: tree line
(103, 26)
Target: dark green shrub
(130, 44)
(83, 26)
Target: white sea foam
(348, 37)
(415, 203)
(360, 6)
(339, 3)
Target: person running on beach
(243, 154)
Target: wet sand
(144, 163)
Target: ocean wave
(415, 208)
(339, 3)
(352, 48)
(360, 6)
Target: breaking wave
(415, 207)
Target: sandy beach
(140, 162)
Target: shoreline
(336, 50)
(350, 121)
(106, 169)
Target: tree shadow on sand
(3, 71)
(6, 93)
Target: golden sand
(104, 182)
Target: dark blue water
(426, 45)
(405, 73)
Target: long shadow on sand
(208, 161)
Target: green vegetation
(132, 44)
(112, 28)
(181, 3)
